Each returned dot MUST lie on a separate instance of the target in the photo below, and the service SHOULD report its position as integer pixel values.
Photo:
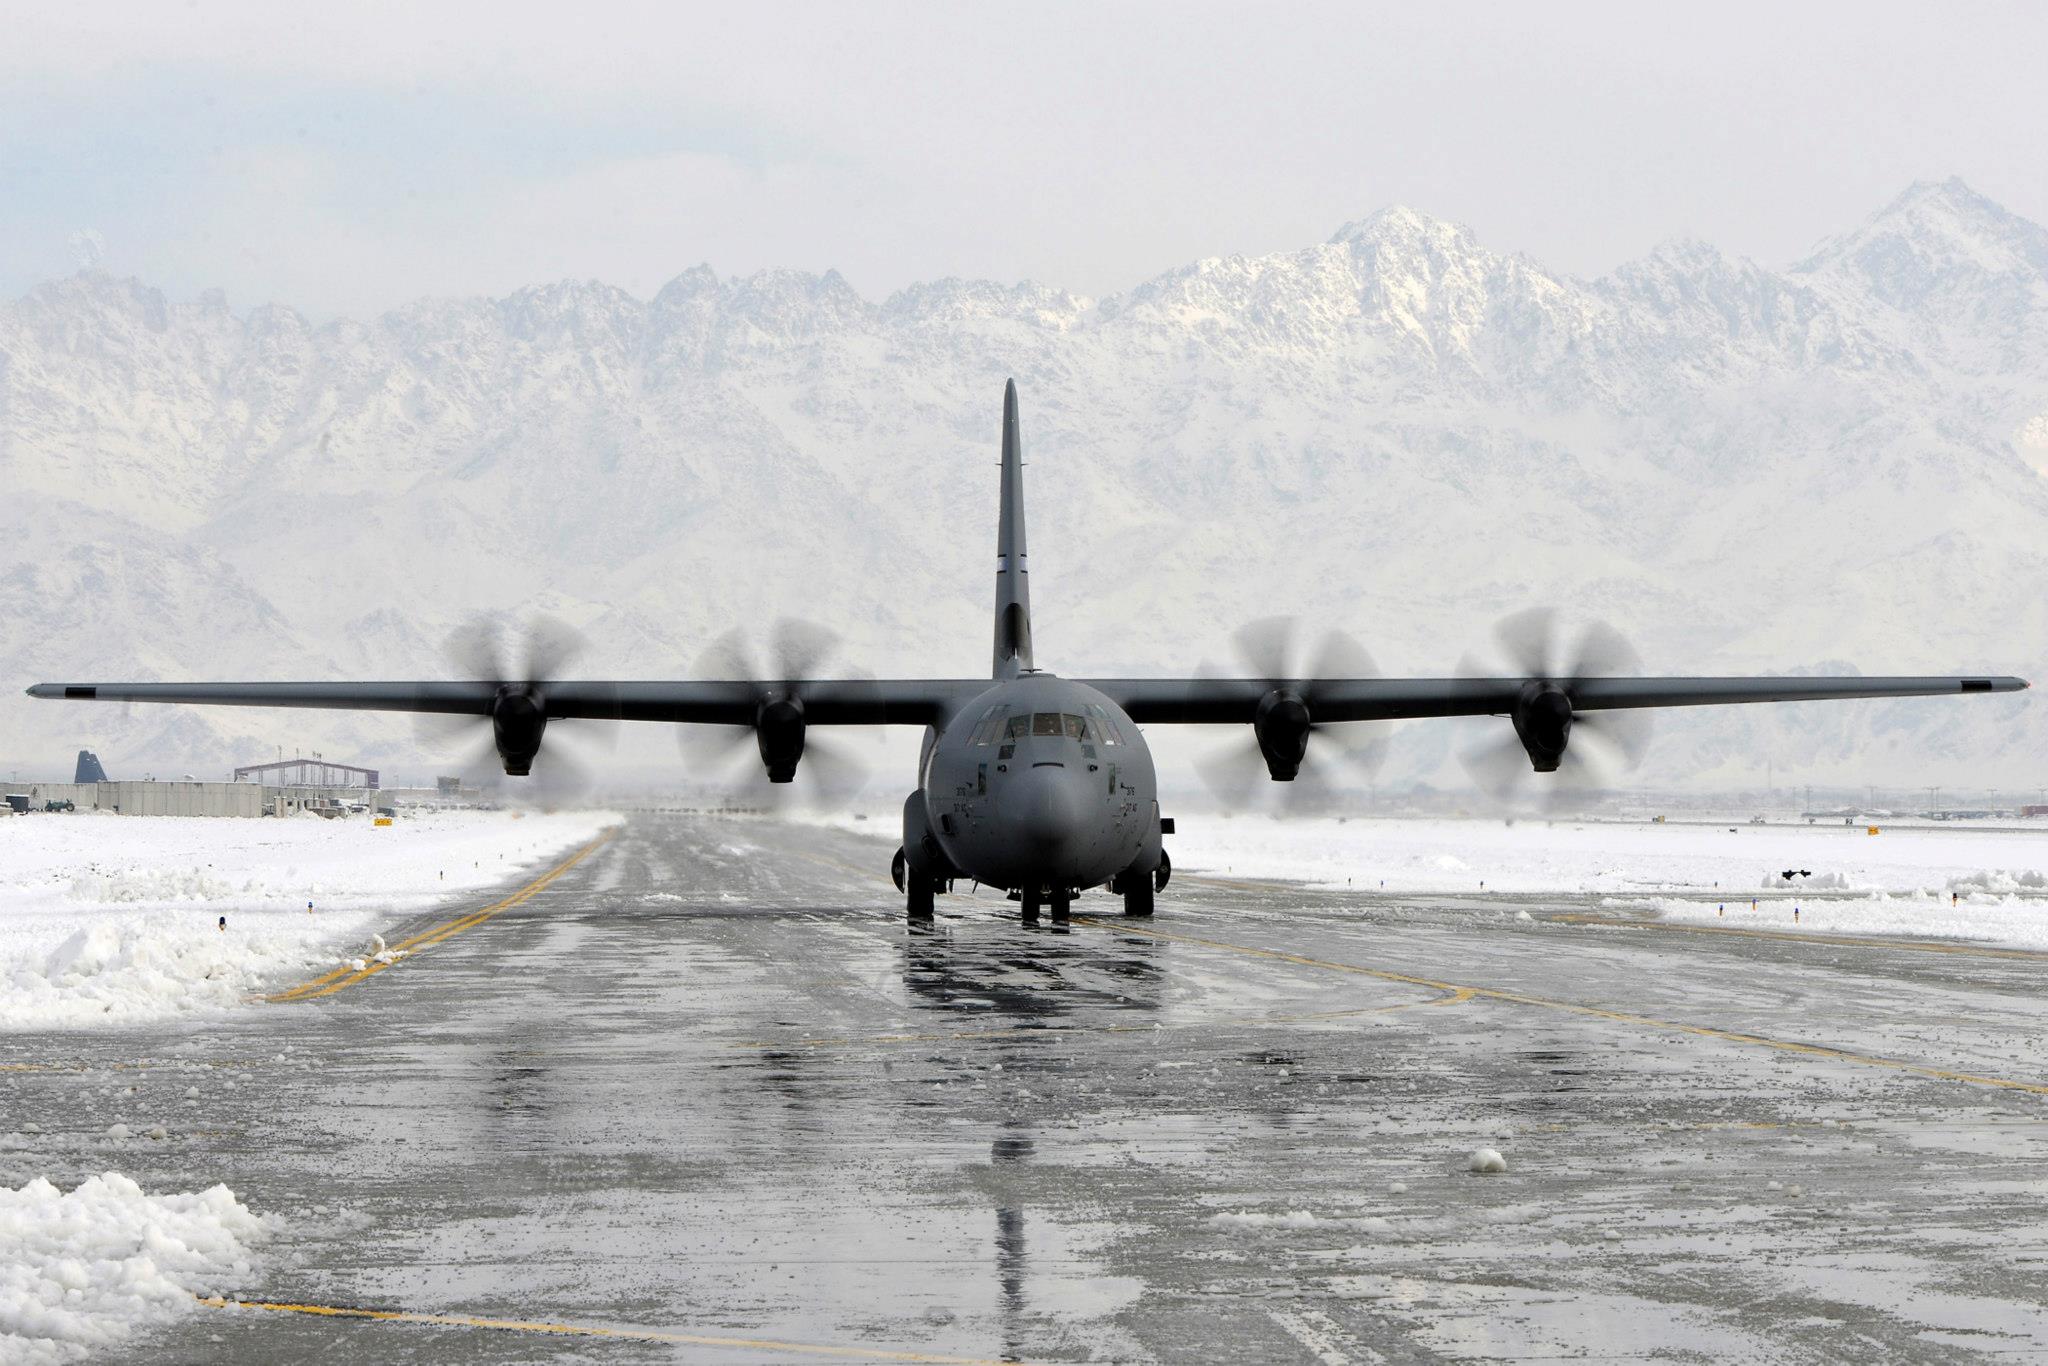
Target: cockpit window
(990, 726)
(1019, 727)
(1104, 727)
(1046, 723)
(1074, 726)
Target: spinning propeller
(799, 650)
(481, 650)
(1271, 652)
(1587, 749)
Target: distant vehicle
(59, 804)
(1043, 785)
(19, 803)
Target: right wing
(1224, 701)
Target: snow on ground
(2008, 921)
(109, 919)
(81, 1270)
(1613, 857)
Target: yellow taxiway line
(1597, 1012)
(1796, 937)
(582, 1330)
(347, 976)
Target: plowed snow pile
(1613, 857)
(110, 919)
(82, 1270)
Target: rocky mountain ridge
(1397, 431)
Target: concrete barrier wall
(192, 799)
(181, 799)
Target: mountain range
(1837, 465)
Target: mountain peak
(1938, 238)
(1399, 223)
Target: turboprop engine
(518, 718)
(1543, 723)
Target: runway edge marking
(1811, 1050)
(348, 976)
(585, 1330)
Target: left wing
(847, 702)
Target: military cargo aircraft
(1043, 785)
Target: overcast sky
(346, 158)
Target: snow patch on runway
(83, 1270)
(116, 920)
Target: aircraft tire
(1137, 896)
(1028, 902)
(1062, 906)
(919, 897)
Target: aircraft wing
(851, 702)
(1218, 701)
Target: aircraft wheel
(1062, 906)
(920, 897)
(1137, 896)
(1028, 901)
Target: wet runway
(705, 1096)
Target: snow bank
(1599, 857)
(82, 1270)
(1999, 880)
(1809, 882)
(2009, 921)
(115, 919)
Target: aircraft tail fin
(1013, 582)
(89, 770)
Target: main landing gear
(1139, 888)
(919, 889)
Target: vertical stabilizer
(89, 770)
(1013, 582)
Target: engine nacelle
(779, 732)
(517, 719)
(1282, 725)
(1543, 723)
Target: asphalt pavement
(706, 1096)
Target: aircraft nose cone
(1043, 810)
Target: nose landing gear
(1032, 900)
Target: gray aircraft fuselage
(1038, 782)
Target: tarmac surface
(705, 1096)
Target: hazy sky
(346, 158)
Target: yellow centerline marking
(584, 1330)
(1597, 1012)
(347, 976)
(1794, 936)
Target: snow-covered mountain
(1397, 431)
